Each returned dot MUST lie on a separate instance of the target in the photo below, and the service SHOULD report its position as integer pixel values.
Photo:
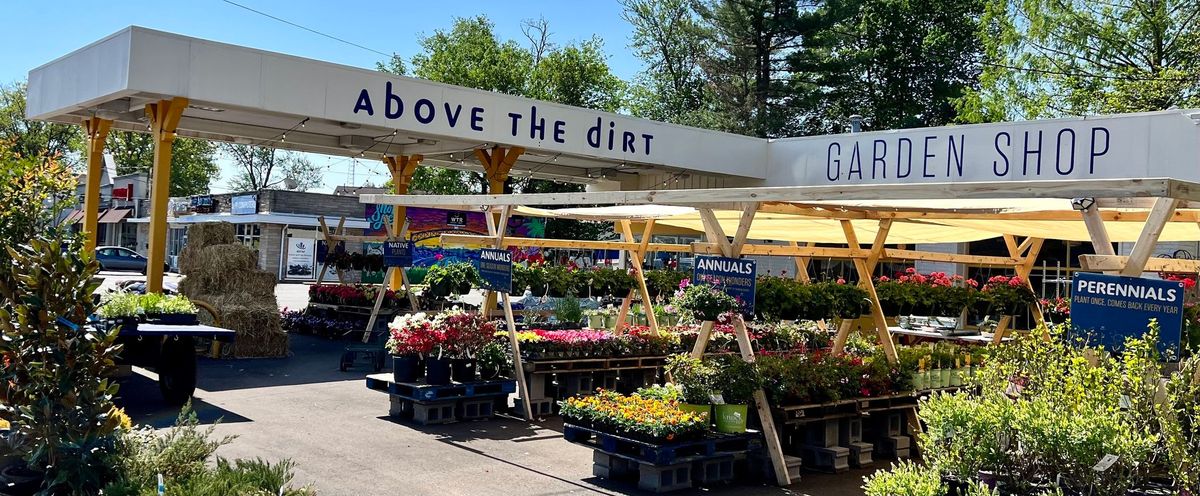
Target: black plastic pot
(17, 480)
(437, 371)
(406, 368)
(462, 369)
(489, 372)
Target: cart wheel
(177, 370)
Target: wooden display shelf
(587, 364)
(853, 407)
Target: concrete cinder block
(664, 478)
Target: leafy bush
(736, 379)
(697, 378)
(58, 394)
(904, 479)
(568, 309)
(182, 456)
(452, 278)
(703, 301)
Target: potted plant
(664, 282)
(704, 301)
(465, 334)
(646, 419)
(411, 337)
(596, 318)
(168, 309)
(695, 379)
(530, 276)
(121, 309)
(1009, 295)
(569, 311)
(494, 361)
(562, 281)
(737, 380)
(452, 278)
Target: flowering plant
(412, 334)
(1008, 294)
(704, 300)
(634, 416)
(1056, 310)
(934, 294)
(350, 294)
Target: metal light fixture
(1083, 204)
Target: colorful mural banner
(427, 225)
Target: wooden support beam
(96, 132)
(1115, 263)
(164, 118)
(802, 263)
(1101, 243)
(868, 283)
(743, 230)
(702, 338)
(1148, 239)
(770, 434)
(496, 229)
(637, 258)
(715, 233)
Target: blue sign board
(495, 268)
(244, 205)
(736, 276)
(398, 253)
(322, 247)
(1107, 309)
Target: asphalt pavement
(343, 442)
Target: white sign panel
(1164, 144)
(300, 259)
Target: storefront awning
(263, 218)
(114, 215)
(73, 217)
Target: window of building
(128, 237)
(249, 235)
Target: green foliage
(697, 378)
(496, 356)
(32, 139)
(563, 281)
(262, 167)
(57, 394)
(790, 299)
(529, 276)
(451, 278)
(663, 282)
(181, 455)
(674, 42)
(193, 161)
(34, 192)
(904, 479)
(663, 392)
(704, 301)
(416, 275)
(736, 379)
(568, 309)
(121, 304)
(1047, 58)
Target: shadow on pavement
(313, 360)
(140, 398)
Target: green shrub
(58, 395)
(904, 479)
(568, 309)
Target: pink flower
(884, 279)
(841, 281)
(910, 270)
(438, 257)
(685, 283)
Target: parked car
(121, 258)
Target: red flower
(1189, 283)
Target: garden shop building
(171, 85)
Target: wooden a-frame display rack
(331, 240)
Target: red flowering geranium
(1008, 294)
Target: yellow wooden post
(97, 132)
(164, 118)
(402, 168)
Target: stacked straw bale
(225, 274)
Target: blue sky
(40, 31)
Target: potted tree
(738, 380)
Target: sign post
(398, 253)
(495, 268)
(1107, 309)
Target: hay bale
(205, 234)
(255, 284)
(259, 328)
(218, 262)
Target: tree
(193, 161)
(901, 63)
(470, 54)
(1047, 58)
(32, 138)
(268, 168)
(747, 69)
(672, 40)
